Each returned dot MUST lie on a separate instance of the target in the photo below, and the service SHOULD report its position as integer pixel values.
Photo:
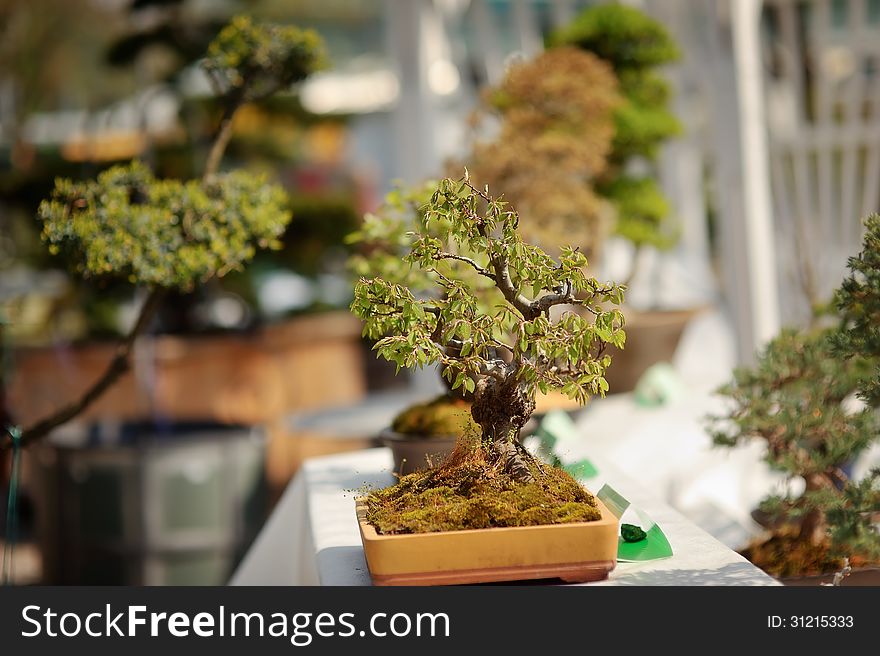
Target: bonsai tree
(858, 301)
(381, 245)
(555, 131)
(505, 351)
(635, 45)
(170, 234)
(798, 399)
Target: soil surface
(467, 492)
(783, 555)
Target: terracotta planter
(651, 337)
(575, 553)
(414, 453)
(303, 363)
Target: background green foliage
(253, 61)
(129, 225)
(635, 45)
(858, 300)
(800, 399)
(166, 233)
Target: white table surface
(312, 536)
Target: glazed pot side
(574, 552)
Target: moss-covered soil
(466, 492)
(440, 417)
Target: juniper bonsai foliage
(635, 45)
(173, 234)
(797, 400)
(800, 399)
(556, 128)
(164, 233)
(506, 350)
(858, 301)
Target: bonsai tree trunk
(501, 407)
(814, 526)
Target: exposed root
(471, 490)
(515, 461)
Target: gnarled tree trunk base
(502, 408)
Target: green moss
(441, 417)
(468, 493)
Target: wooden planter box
(304, 363)
(575, 553)
(258, 378)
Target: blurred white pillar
(758, 218)
(412, 142)
(733, 80)
(530, 41)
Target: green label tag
(613, 499)
(654, 545)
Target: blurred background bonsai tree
(133, 73)
(168, 234)
(858, 301)
(812, 399)
(553, 135)
(636, 46)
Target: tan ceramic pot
(575, 553)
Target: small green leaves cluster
(858, 301)
(501, 330)
(166, 233)
(252, 61)
(385, 238)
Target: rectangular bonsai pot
(576, 553)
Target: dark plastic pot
(150, 503)
(414, 453)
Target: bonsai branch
(120, 363)
(224, 134)
(460, 258)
